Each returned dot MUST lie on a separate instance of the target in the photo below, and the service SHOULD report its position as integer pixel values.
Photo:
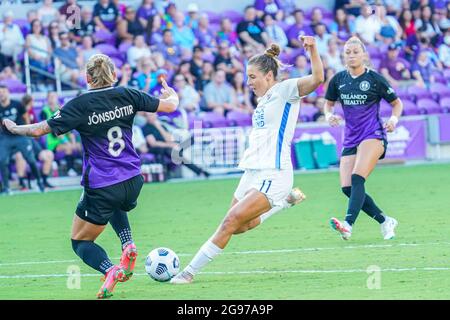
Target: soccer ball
(162, 264)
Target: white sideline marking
(350, 247)
(85, 275)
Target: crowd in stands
(203, 54)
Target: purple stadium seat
(214, 17)
(409, 108)
(148, 158)
(447, 74)
(307, 112)
(233, 15)
(429, 105)
(117, 62)
(439, 90)
(445, 104)
(420, 93)
(239, 119)
(108, 50)
(103, 36)
(23, 25)
(374, 52)
(376, 63)
(15, 86)
(213, 120)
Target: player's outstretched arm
(309, 83)
(397, 109)
(30, 130)
(168, 101)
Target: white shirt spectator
(367, 28)
(444, 52)
(134, 54)
(11, 39)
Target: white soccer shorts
(275, 184)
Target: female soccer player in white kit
(266, 185)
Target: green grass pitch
(294, 255)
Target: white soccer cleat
(388, 227)
(342, 227)
(183, 277)
(295, 197)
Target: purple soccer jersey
(360, 99)
(104, 119)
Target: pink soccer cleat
(116, 274)
(342, 227)
(128, 260)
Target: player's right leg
(250, 207)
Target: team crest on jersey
(364, 86)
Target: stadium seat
(103, 36)
(439, 91)
(409, 108)
(445, 104)
(15, 86)
(307, 112)
(233, 15)
(108, 50)
(213, 120)
(419, 93)
(239, 119)
(428, 105)
(385, 109)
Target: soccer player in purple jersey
(360, 90)
(111, 177)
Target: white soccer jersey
(274, 121)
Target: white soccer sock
(270, 213)
(205, 255)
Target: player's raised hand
(309, 43)
(167, 91)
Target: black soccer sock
(119, 222)
(22, 182)
(369, 206)
(92, 254)
(70, 161)
(5, 175)
(357, 197)
(35, 170)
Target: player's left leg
(369, 151)
(21, 168)
(84, 234)
(247, 209)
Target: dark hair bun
(273, 51)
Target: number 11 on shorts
(266, 184)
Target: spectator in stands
(226, 62)
(168, 17)
(192, 18)
(8, 74)
(395, 69)
(319, 116)
(205, 77)
(272, 7)
(11, 40)
(137, 51)
(351, 7)
(333, 55)
(170, 50)
(322, 38)
(31, 15)
(106, 15)
(219, 96)
(288, 7)
(393, 7)
(139, 142)
(86, 51)
(45, 156)
(39, 51)
(127, 78)
(146, 77)
(427, 26)
(422, 70)
(65, 143)
(342, 27)
(182, 34)
(153, 34)
(189, 98)
(185, 70)
(10, 144)
(301, 67)
(407, 23)
(444, 50)
(47, 13)
(298, 28)
(226, 32)
(367, 25)
(251, 32)
(67, 54)
(196, 63)
(53, 34)
(129, 27)
(274, 32)
(243, 97)
(87, 25)
(316, 17)
(390, 30)
(204, 34)
(146, 10)
(161, 143)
